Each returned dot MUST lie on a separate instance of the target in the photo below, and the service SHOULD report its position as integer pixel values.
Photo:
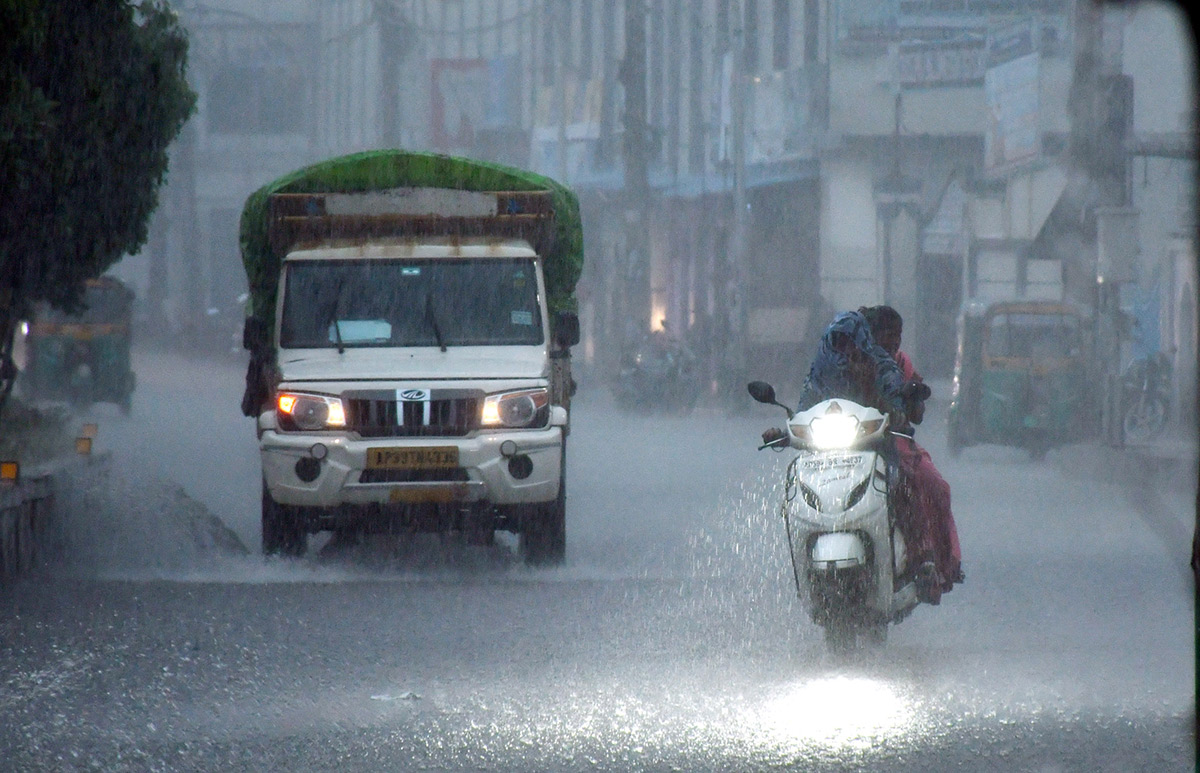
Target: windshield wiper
(337, 333)
(337, 312)
(431, 315)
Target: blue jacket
(830, 377)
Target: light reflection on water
(837, 712)
(819, 719)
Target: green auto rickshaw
(83, 357)
(1022, 376)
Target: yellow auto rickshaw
(83, 357)
(1021, 376)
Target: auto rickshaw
(1021, 376)
(83, 357)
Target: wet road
(669, 641)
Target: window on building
(723, 26)
(812, 30)
(750, 31)
(781, 34)
(696, 101)
(250, 99)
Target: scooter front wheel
(840, 636)
(875, 634)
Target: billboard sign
(471, 96)
(1012, 137)
(956, 62)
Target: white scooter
(848, 554)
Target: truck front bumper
(326, 470)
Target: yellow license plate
(416, 458)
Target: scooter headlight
(833, 431)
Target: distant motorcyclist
(851, 365)
(658, 371)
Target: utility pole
(1101, 116)
(637, 180)
(396, 38)
(194, 294)
(560, 18)
(734, 293)
(157, 275)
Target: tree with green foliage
(92, 92)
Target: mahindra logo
(412, 395)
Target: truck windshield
(441, 302)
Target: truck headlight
(526, 408)
(300, 411)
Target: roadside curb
(26, 512)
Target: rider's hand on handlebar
(916, 391)
(772, 435)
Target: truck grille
(451, 416)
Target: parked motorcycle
(847, 551)
(658, 374)
(1146, 387)
(219, 332)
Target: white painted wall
(850, 270)
(1160, 55)
(862, 101)
(1031, 195)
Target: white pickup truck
(414, 377)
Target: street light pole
(637, 179)
(735, 301)
(1100, 102)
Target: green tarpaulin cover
(385, 169)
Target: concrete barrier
(25, 512)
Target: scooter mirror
(762, 392)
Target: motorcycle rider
(851, 365)
(932, 496)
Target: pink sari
(932, 535)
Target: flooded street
(670, 639)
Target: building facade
(746, 167)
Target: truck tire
(281, 535)
(544, 528)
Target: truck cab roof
(418, 247)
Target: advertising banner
(1012, 137)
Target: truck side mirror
(566, 328)
(255, 334)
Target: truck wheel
(280, 532)
(544, 530)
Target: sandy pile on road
(112, 520)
